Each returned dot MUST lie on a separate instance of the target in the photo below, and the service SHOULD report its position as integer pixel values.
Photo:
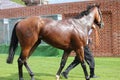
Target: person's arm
(89, 33)
(96, 35)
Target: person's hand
(93, 26)
(90, 41)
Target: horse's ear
(88, 7)
(98, 5)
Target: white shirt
(90, 31)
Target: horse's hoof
(57, 77)
(88, 78)
(64, 75)
(32, 78)
(21, 79)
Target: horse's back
(30, 21)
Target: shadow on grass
(27, 77)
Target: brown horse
(69, 34)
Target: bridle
(100, 24)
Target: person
(88, 58)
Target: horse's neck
(88, 20)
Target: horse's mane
(85, 12)
(81, 14)
(92, 6)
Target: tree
(35, 2)
(31, 2)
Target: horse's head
(98, 15)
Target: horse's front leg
(62, 64)
(80, 54)
(85, 70)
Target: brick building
(109, 35)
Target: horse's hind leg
(29, 70)
(25, 63)
(63, 62)
(20, 65)
(22, 61)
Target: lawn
(45, 68)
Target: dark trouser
(88, 58)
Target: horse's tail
(13, 45)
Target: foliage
(42, 50)
(18, 1)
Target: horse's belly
(58, 43)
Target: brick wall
(109, 35)
(118, 27)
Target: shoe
(64, 74)
(92, 73)
(93, 76)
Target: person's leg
(71, 66)
(90, 60)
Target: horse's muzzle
(101, 25)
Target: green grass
(45, 68)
